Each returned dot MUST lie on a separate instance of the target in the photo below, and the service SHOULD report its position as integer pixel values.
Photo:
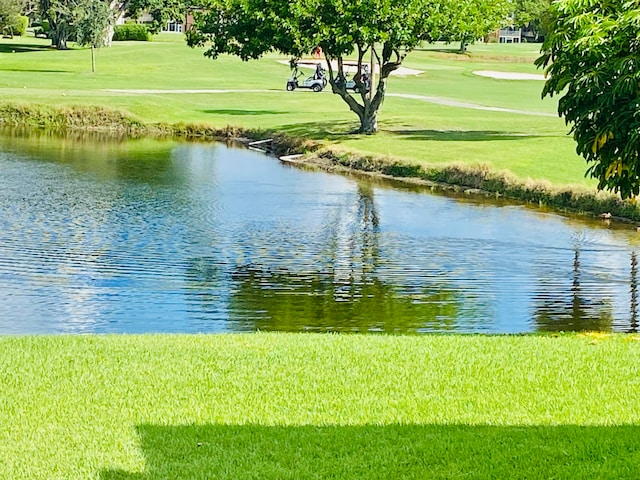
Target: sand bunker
(509, 75)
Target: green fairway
(531, 142)
(276, 406)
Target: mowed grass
(533, 145)
(298, 406)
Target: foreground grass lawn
(277, 406)
(530, 141)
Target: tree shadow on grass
(241, 112)
(346, 130)
(34, 70)
(453, 49)
(329, 130)
(22, 48)
(463, 135)
(385, 452)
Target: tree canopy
(361, 29)
(95, 19)
(533, 15)
(473, 19)
(10, 11)
(592, 59)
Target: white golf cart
(316, 82)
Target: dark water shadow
(462, 135)
(385, 452)
(102, 155)
(22, 48)
(633, 290)
(241, 112)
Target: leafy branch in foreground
(592, 59)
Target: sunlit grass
(319, 406)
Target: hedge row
(131, 31)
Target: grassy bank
(480, 179)
(447, 132)
(319, 406)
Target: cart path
(449, 102)
(473, 106)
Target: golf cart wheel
(317, 88)
(290, 87)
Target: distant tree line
(88, 22)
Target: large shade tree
(382, 30)
(592, 59)
(62, 16)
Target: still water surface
(150, 236)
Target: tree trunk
(118, 8)
(367, 111)
(59, 38)
(61, 44)
(108, 39)
(369, 121)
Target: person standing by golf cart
(319, 75)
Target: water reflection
(147, 236)
(116, 159)
(316, 301)
(577, 311)
(348, 294)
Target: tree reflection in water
(288, 301)
(339, 287)
(347, 294)
(558, 312)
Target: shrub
(131, 31)
(43, 30)
(20, 28)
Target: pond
(159, 236)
